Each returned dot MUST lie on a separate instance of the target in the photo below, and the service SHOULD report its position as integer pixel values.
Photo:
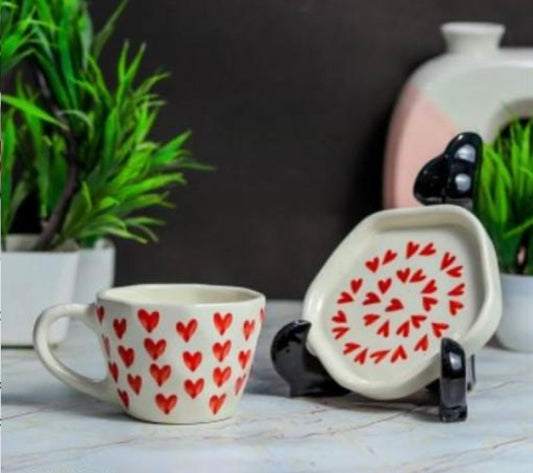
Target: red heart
(239, 382)
(403, 274)
(384, 329)
(107, 346)
(220, 376)
(127, 355)
(370, 319)
(422, 344)
(166, 404)
(355, 285)
(248, 328)
(371, 298)
(447, 260)
(113, 369)
(377, 356)
(412, 248)
(123, 395)
(389, 256)
(428, 303)
(221, 350)
(428, 250)
(455, 306)
(119, 325)
(349, 347)
(100, 312)
(216, 402)
(361, 357)
(344, 298)
(417, 320)
(398, 353)
(373, 264)
(222, 322)
(438, 328)
(194, 388)
(149, 320)
(192, 360)
(458, 290)
(430, 288)
(244, 356)
(155, 349)
(339, 318)
(403, 329)
(394, 305)
(339, 331)
(135, 383)
(418, 276)
(186, 331)
(456, 272)
(384, 285)
(160, 374)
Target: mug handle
(101, 389)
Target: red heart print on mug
(186, 331)
(100, 312)
(248, 328)
(222, 322)
(194, 388)
(166, 403)
(113, 370)
(127, 355)
(123, 395)
(160, 373)
(221, 350)
(135, 383)
(220, 376)
(107, 346)
(155, 349)
(192, 360)
(239, 382)
(120, 325)
(216, 402)
(244, 356)
(149, 320)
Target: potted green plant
(504, 204)
(78, 144)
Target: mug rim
(114, 295)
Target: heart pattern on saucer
(400, 304)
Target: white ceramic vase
(516, 327)
(96, 271)
(31, 282)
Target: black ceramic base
(453, 382)
(304, 372)
(450, 177)
(307, 377)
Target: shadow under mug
(176, 353)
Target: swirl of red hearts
(382, 307)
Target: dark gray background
(290, 99)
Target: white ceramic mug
(176, 353)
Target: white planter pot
(516, 327)
(96, 271)
(31, 282)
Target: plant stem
(52, 227)
(54, 224)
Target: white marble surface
(48, 427)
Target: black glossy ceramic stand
(303, 372)
(307, 377)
